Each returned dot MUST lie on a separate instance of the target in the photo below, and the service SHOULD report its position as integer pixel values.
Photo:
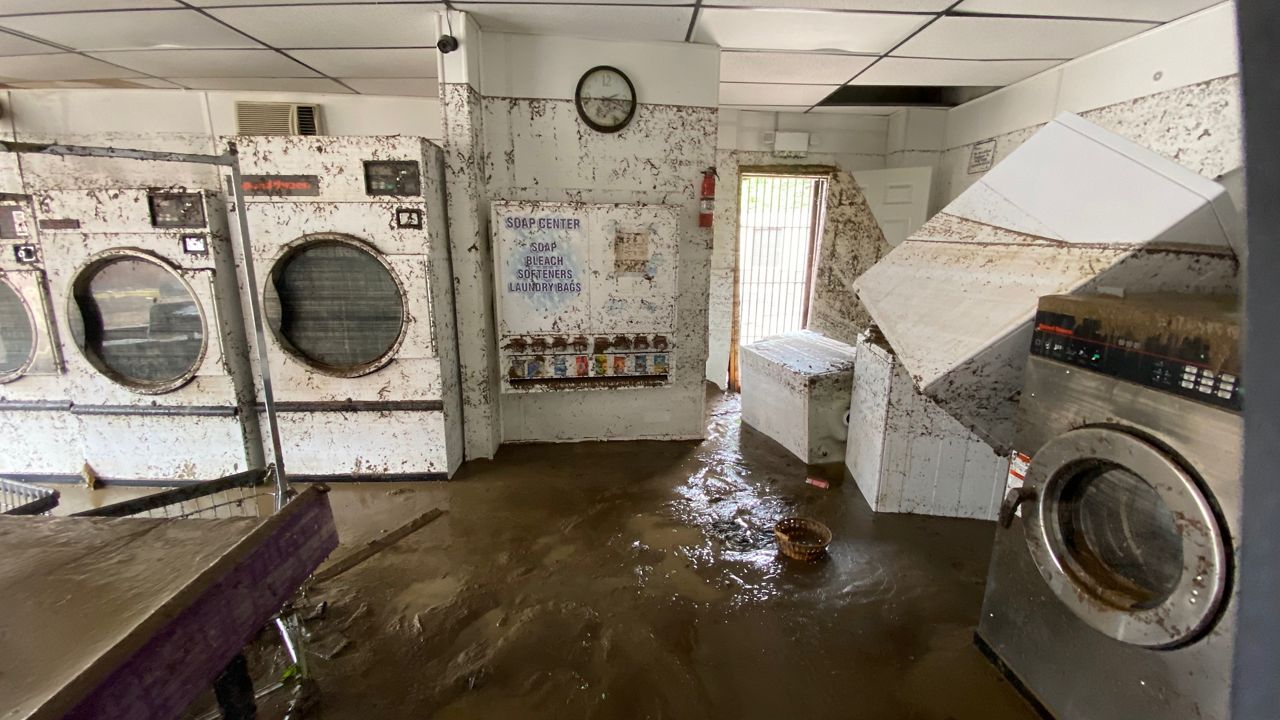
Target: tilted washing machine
(145, 285)
(352, 267)
(43, 438)
(1111, 592)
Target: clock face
(606, 99)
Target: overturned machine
(1075, 209)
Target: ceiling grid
(777, 54)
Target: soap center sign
(543, 270)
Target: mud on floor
(640, 580)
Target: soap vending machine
(585, 294)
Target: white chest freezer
(1075, 209)
(795, 389)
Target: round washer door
(1125, 538)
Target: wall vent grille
(267, 118)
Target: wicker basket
(802, 539)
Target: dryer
(353, 271)
(43, 438)
(157, 370)
(1111, 591)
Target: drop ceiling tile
(380, 63)
(130, 30)
(10, 7)
(772, 94)
(804, 30)
(767, 108)
(14, 45)
(890, 5)
(609, 23)
(994, 38)
(208, 63)
(322, 26)
(243, 3)
(1154, 10)
(420, 87)
(591, 2)
(317, 85)
(921, 71)
(64, 66)
(776, 67)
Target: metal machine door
(1125, 537)
(26, 346)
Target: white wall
(852, 142)
(192, 120)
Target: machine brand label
(280, 184)
(59, 224)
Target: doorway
(779, 225)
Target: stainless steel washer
(1111, 588)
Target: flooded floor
(639, 580)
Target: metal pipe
(109, 152)
(260, 335)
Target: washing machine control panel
(1185, 345)
(176, 210)
(392, 177)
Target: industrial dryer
(143, 282)
(1111, 593)
(352, 266)
(34, 402)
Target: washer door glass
(335, 304)
(17, 332)
(141, 324)
(1125, 538)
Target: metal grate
(779, 221)
(247, 494)
(19, 498)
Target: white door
(899, 198)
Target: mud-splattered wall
(523, 129)
(1197, 126)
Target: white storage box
(908, 455)
(795, 389)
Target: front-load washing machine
(42, 436)
(352, 265)
(157, 364)
(1111, 593)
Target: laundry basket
(19, 498)
(801, 538)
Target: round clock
(606, 99)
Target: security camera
(447, 44)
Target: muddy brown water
(641, 580)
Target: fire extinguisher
(707, 200)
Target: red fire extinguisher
(707, 202)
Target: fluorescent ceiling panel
(608, 23)
(65, 66)
(992, 38)
(320, 26)
(10, 7)
(136, 30)
(926, 6)
(774, 67)
(209, 63)
(919, 71)
(772, 94)
(1154, 10)
(317, 85)
(419, 87)
(14, 45)
(804, 30)
(381, 63)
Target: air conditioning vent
(264, 118)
